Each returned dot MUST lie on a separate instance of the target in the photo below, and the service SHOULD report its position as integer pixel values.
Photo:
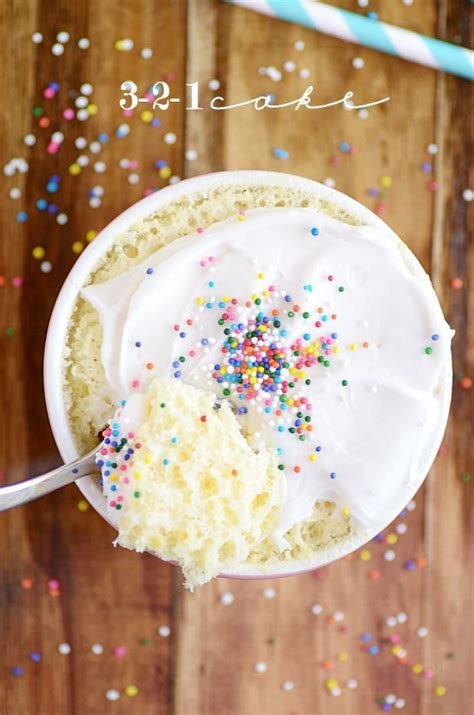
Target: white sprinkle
(328, 181)
(15, 193)
(64, 648)
(98, 190)
(37, 37)
(146, 53)
(227, 598)
(123, 163)
(362, 3)
(338, 616)
(352, 683)
(299, 45)
(391, 621)
(422, 632)
(316, 609)
(389, 555)
(432, 148)
(214, 84)
(95, 147)
(401, 528)
(62, 37)
(57, 49)
(358, 63)
(29, 139)
(164, 631)
(83, 43)
(402, 617)
(57, 137)
(97, 649)
(112, 695)
(123, 129)
(61, 219)
(80, 143)
(288, 685)
(269, 592)
(86, 89)
(46, 266)
(83, 160)
(81, 101)
(335, 691)
(289, 66)
(408, 2)
(176, 180)
(95, 202)
(390, 698)
(191, 154)
(399, 703)
(100, 167)
(411, 506)
(304, 73)
(468, 194)
(362, 114)
(82, 115)
(169, 138)
(374, 389)
(273, 73)
(260, 667)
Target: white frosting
(372, 431)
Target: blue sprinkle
(174, 440)
(373, 649)
(53, 208)
(149, 271)
(281, 428)
(52, 187)
(318, 449)
(22, 217)
(138, 344)
(54, 86)
(333, 475)
(75, 470)
(211, 284)
(160, 164)
(182, 335)
(280, 153)
(307, 336)
(344, 147)
(103, 137)
(372, 16)
(16, 670)
(435, 337)
(166, 462)
(366, 637)
(315, 231)
(113, 488)
(35, 657)
(41, 204)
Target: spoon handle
(23, 492)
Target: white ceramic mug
(86, 264)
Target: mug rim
(86, 264)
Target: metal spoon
(24, 492)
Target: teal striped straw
(368, 32)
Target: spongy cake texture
(86, 392)
(196, 492)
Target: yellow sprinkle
(346, 511)
(386, 181)
(392, 539)
(240, 217)
(290, 403)
(440, 690)
(365, 555)
(92, 109)
(260, 275)
(342, 657)
(82, 505)
(397, 649)
(146, 116)
(226, 298)
(199, 301)
(131, 690)
(293, 371)
(90, 235)
(77, 247)
(147, 459)
(74, 169)
(353, 346)
(114, 477)
(331, 683)
(164, 172)
(312, 457)
(301, 373)
(316, 345)
(118, 44)
(138, 475)
(265, 294)
(417, 668)
(38, 252)
(335, 349)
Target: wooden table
(119, 600)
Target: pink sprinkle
(200, 229)
(241, 212)
(189, 321)
(395, 638)
(433, 186)
(52, 148)
(211, 259)
(128, 112)
(203, 263)
(138, 445)
(126, 480)
(49, 93)
(330, 278)
(176, 327)
(53, 583)
(136, 384)
(112, 503)
(120, 651)
(123, 467)
(17, 281)
(103, 451)
(68, 113)
(427, 673)
(192, 353)
(130, 435)
(119, 498)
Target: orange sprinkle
(44, 122)
(374, 575)
(297, 469)
(149, 366)
(365, 345)
(320, 310)
(420, 561)
(275, 311)
(26, 583)
(54, 592)
(466, 383)
(296, 308)
(234, 472)
(327, 665)
(334, 316)
(457, 283)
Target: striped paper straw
(353, 27)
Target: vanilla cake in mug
(274, 369)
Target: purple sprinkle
(149, 271)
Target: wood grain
(113, 597)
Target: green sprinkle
(226, 392)
(341, 289)
(163, 404)
(257, 301)
(37, 111)
(272, 641)
(136, 494)
(146, 641)
(10, 332)
(302, 437)
(465, 477)
(281, 467)
(305, 315)
(327, 363)
(428, 351)
(344, 383)
(307, 382)
(220, 321)
(118, 506)
(291, 314)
